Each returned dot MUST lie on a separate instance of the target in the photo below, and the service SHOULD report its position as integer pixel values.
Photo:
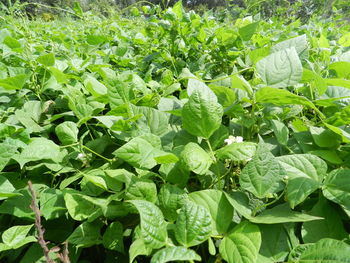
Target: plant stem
(38, 225)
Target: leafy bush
(172, 136)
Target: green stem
(211, 150)
(97, 154)
(265, 205)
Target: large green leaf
(237, 152)
(113, 237)
(174, 254)
(153, 226)
(330, 227)
(263, 175)
(275, 242)
(193, 225)
(86, 235)
(201, 115)
(171, 198)
(242, 245)
(299, 43)
(141, 189)
(218, 206)
(14, 235)
(282, 214)
(280, 97)
(6, 153)
(39, 149)
(337, 187)
(324, 251)
(196, 159)
(67, 132)
(305, 172)
(52, 203)
(281, 69)
(139, 152)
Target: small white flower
(249, 159)
(231, 139)
(81, 156)
(239, 139)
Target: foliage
(173, 136)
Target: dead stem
(38, 225)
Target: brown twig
(38, 225)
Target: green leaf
(139, 153)
(305, 172)
(344, 40)
(95, 87)
(193, 225)
(67, 132)
(141, 189)
(174, 254)
(81, 207)
(201, 115)
(171, 198)
(337, 187)
(47, 60)
(86, 235)
(52, 203)
(282, 214)
(113, 237)
(246, 32)
(13, 83)
(341, 68)
(218, 206)
(18, 205)
(281, 69)
(137, 248)
(12, 42)
(153, 226)
(299, 43)
(14, 235)
(39, 149)
(226, 96)
(330, 227)
(324, 251)
(6, 188)
(238, 152)
(275, 242)
(242, 245)
(280, 97)
(324, 137)
(262, 176)
(6, 153)
(281, 131)
(196, 159)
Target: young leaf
(263, 175)
(242, 245)
(201, 115)
(153, 226)
(193, 225)
(196, 159)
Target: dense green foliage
(173, 136)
